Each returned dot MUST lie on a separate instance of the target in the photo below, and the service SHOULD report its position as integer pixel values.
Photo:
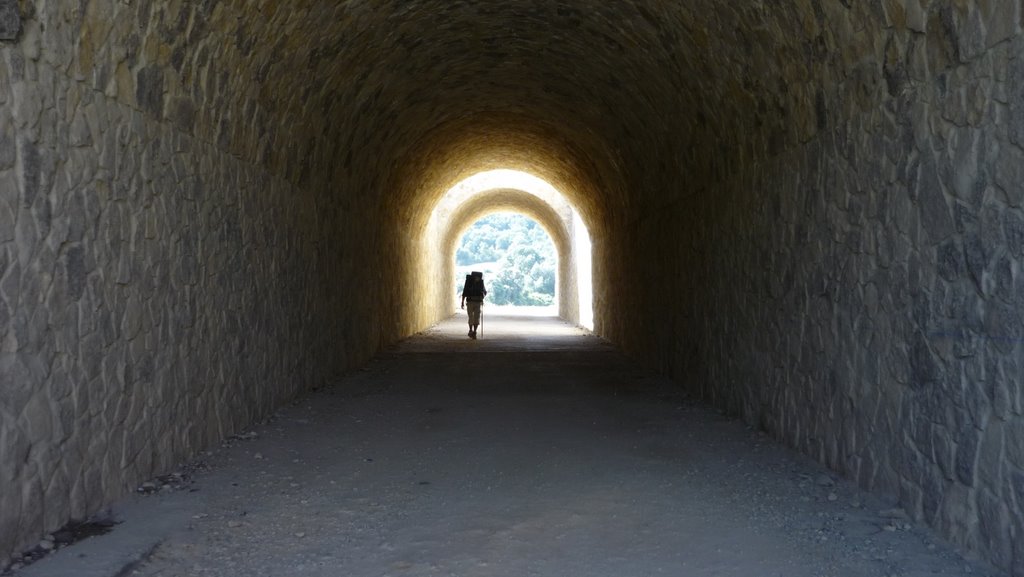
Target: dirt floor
(537, 450)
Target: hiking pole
(481, 319)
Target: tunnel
(807, 213)
(480, 196)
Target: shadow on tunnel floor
(503, 330)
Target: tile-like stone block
(10, 20)
(1010, 174)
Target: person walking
(473, 292)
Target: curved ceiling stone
(508, 200)
(396, 100)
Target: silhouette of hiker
(473, 292)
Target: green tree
(524, 253)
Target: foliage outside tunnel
(516, 256)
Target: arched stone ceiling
(410, 97)
(391, 102)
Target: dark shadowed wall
(807, 212)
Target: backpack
(474, 289)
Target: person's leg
(474, 318)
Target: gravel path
(538, 450)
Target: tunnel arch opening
(517, 192)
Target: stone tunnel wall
(159, 291)
(808, 211)
(859, 294)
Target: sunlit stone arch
(557, 224)
(503, 190)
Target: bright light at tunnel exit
(492, 179)
(579, 235)
(584, 275)
(516, 254)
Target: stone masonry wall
(860, 295)
(808, 210)
(157, 293)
